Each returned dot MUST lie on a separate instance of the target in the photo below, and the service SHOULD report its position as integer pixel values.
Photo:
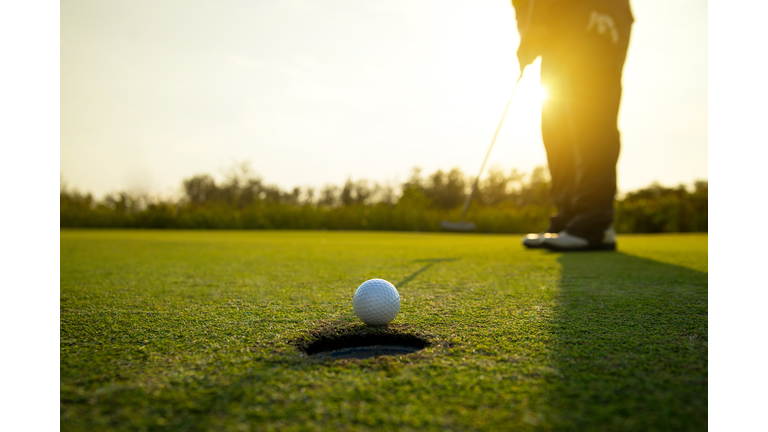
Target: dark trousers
(582, 75)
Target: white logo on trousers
(603, 24)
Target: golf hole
(364, 346)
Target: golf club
(463, 225)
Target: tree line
(505, 202)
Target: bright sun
(541, 94)
(531, 95)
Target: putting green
(200, 330)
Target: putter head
(458, 226)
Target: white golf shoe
(563, 242)
(534, 241)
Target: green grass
(199, 330)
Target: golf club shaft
(474, 185)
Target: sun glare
(531, 94)
(541, 94)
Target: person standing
(583, 45)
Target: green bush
(657, 209)
(504, 203)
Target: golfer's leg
(593, 114)
(557, 142)
(593, 120)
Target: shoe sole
(596, 248)
(536, 246)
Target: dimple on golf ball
(376, 302)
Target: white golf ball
(376, 302)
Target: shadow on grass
(629, 344)
(430, 262)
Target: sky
(315, 92)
